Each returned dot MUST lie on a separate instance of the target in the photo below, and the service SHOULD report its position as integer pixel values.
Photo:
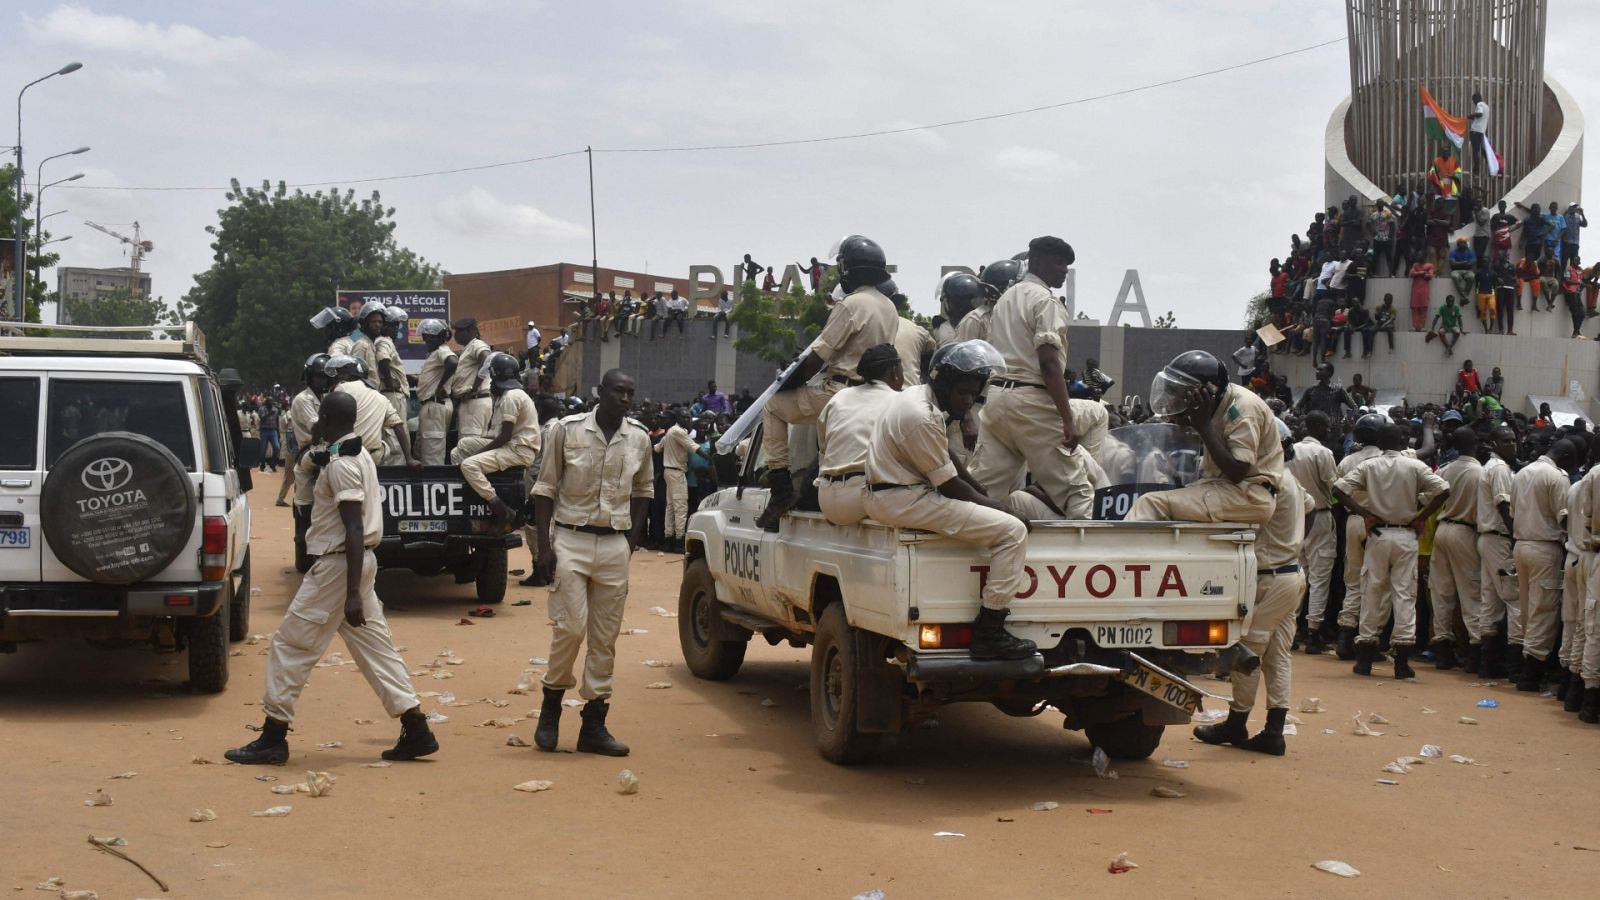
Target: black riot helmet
(335, 320)
(344, 368)
(999, 275)
(1368, 428)
(958, 294)
(316, 367)
(861, 263)
(503, 370)
(1169, 390)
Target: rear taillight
(214, 548)
(944, 637)
(1194, 634)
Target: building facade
(551, 296)
(82, 283)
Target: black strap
(1013, 383)
(843, 476)
(1290, 569)
(874, 488)
(846, 380)
(1472, 525)
(590, 529)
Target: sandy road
(734, 800)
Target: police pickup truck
(433, 523)
(1121, 611)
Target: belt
(843, 476)
(1495, 532)
(590, 529)
(673, 468)
(340, 552)
(1472, 525)
(1561, 541)
(1013, 383)
(1389, 527)
(874, 488)
(1290, 569)
(846, 380)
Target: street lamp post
(38, 205)
(16, 230)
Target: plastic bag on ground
(1362, 729)
(1336, 867)
(1045, 805)
(627, 782)
(534, 787)
(1121, 864)
(874, 894)
(202, 815)
(1397, 768)
(100, 798)
(1167, 793)
(1102, 764)
(1312, 705)
(662, 612)
(1431, 751)
(272, 812)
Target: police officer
(468, 388)
(675, 447)
(433, 393)
(376, 421)
(914, 343)
(336, 323)
(959, 295)
(595, 486)
(338, 596)
(996, 278)
(1242, 468)
(303, 413)
(1580, 552)
(1455, 569)
(1313, 469)
(516, 439)
(1494, 559)
(913, 483)
(1393, 486)
(1027, 419)
(391, 371)
(845, 428)
(372, 322)
(1588, 657)
(1538, 508)
(864, 318)
(1355, 533)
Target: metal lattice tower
(1454, 47)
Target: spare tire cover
(117, 508)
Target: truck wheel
(1125, 739)
(835, 686)
(492, 575)
(239, 605)
(708, 657)
(208, 652)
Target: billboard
(418, 305)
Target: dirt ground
(734, 800)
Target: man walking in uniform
(473, 401)
(1538, 511)
(433, 393)
(1313, 469)
(1393, 487)
(844, 429)
(1495, 527)
(1455, 570)
(595, 486)
(675, 448)
(516, 441)
(338, 597)
(1026, 422)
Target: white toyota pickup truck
(1121, 612)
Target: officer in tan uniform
(1242, 468)
(1589, 657)
(1580, 552)
(338, 597)
(375, 418)
(1027, 420)
(675, 447)
(1355, 533)
(913, 483)
(844, 430)
(303, 413)
(391, 370)
(1455, 570)
(1313, 468)
(433, 393)
(337, 324)
(1500, 601)
(595, 486)
(996, 279)
(469, 388)
(1538, 511)
(1279, 586)
(372, 322)
(516, 439)
(864, 318)
(1393, 486)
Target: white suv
(121, 514)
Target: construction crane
(140, 248)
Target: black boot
(1316, 644)
(548, 731)
(1574, 698)
(1532, 676)
(1346, 649)
(1366, 655)
(1269, 739)
(1494, 656)
(1444, 656)
(1473, 660)
(1229, 731)
(1511, 658)
(1402, 663)
(1563, 677)
(270, 749)
(781, 498)
(1590, 713)
(416, 738)
(503, 516)
(991, 640)
(593, 736)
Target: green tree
(776, 328)
(116, 308)
(1168, 320)
(36, 261)
(278, 258)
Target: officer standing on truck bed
(595, 486)
(391, 371)
(469, 391)
(380, 428)
(338, 596)
(516, 440)
(372, 321)
(337, 324)
(433, 392)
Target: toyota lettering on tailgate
(1102, 580)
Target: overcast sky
(1195, 185)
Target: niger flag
(1441, 126)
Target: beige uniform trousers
(1355, 556)
(1317, 556)
(843, 502)
(475, 469)
(1499, 590)
(1539, 590)
(400, 401)
(586, 601)
(800, 406)
(923, 508)
(468, 446)
(1389, 586)
(1589, 668)
(472, 417)
(677, 518)
(1453, 576)
(1208, 500)
(433, 424)
(1021, 430)
(315, 615)
(1271, 632)
(1575, 587)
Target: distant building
(550, 295)
(79, 283)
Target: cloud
(146, 82)
(1033, 163)
(75, 26)
(478, 213)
